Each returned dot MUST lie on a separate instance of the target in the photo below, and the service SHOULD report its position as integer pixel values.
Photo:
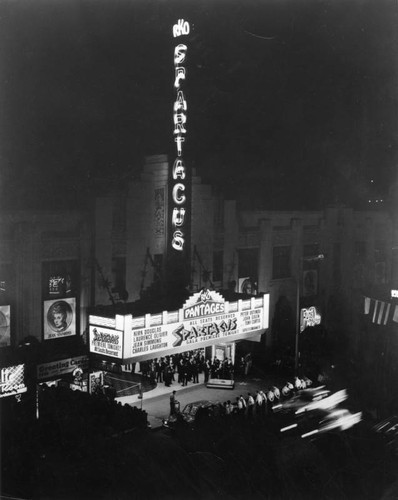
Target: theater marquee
(205, 319)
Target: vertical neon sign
(179, 172)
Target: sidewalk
(157, 401)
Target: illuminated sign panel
(179, 173)
(206, 318)
(394, 293)
(106, 341)
(309, 317)
(12, 381)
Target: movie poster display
(59, 318)
(106, 341)
(5, 330)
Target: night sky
(291, 104)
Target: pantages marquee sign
(205, 319)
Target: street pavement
(157, 401)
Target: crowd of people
(185, 367)
(68, 415)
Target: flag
(395, 317)
(381, 311)
(387, 314)
(377, 302)
(367, 305)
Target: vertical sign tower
(178, 258)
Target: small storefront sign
(61, 367)
(12, 381)
(309, 317)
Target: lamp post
(312, 258)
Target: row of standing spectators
(263, 402)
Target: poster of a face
(5, 333)
(59, 318)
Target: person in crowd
(230, 369)
(172, 403)
(259, 404)
(277, 392)
(152, 371)
(167, 375)
(228, 408)
(195, 371)
(265, 402)
(242, 366)
(270, 399)
(159, 372)
(297, 384)
(180, 370)
(201, 363)
(185, 374)
(287, 389)
(248, 363)
(241, 406)
(250, 406)
(207, 370)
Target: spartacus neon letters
(179, 199)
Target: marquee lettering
(178, 217)
(179, 121)
(180, 74)
(176, 196)
(180, 103)
(179, 169)
(178, 240)
(179, 53)
(203, 332)
(179, 140)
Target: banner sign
(206, 318)
(309, 317)
(12, 381)
(62, 367)
(59, 318)
(5, 334)
(106, 341)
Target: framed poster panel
(59, 318)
